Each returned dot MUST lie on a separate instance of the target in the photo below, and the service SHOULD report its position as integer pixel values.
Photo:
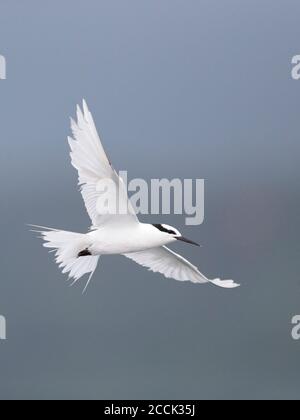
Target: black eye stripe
(163, 229)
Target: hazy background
(190, 89)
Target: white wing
(93, 166)
(173, 266)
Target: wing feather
(171, 265)
(90, 160)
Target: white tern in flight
(114, 232)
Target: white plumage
(113, 232)
(92, 164)
(173, 266)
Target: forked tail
(69, 248)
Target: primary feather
(173, 266)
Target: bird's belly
(111, 243)
(121, 247)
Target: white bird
(78, 254)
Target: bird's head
(174, 233)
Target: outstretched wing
(171, 265)
(95, 171)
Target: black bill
(188, 241)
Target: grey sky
(188, 89)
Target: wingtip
(78, 109)
(86, 110)
(82, 111)
(225, 284)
